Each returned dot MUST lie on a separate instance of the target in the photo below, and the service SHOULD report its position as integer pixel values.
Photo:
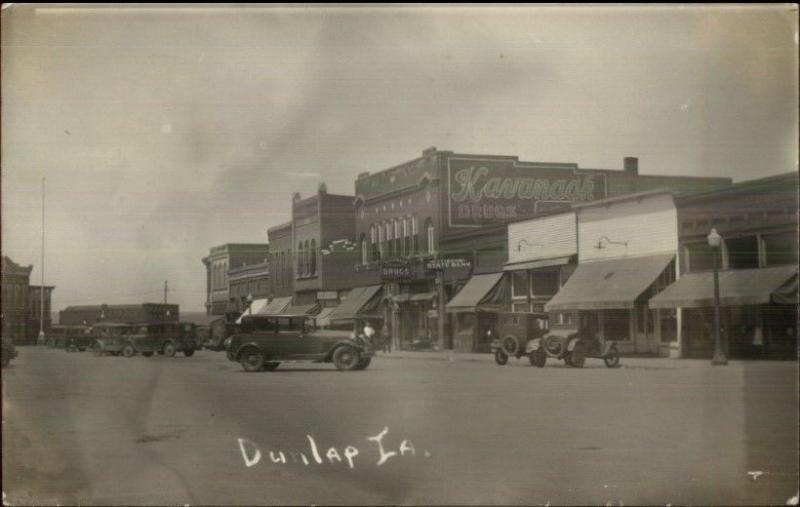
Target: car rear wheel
(577, 358)
(538, 358)
(271, 365)
(148, 354)
(128, 351)
(188, 352)
(500, 357)
(252, 360)
(612, 358)
(346, 358)
(169, 349)
(510, 345)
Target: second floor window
(431, 236)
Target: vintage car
(514, 332)
(573, 349)
(146, 339)
(9, 351)
(265, 341)
(70, 338)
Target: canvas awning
(474, 292)
(323, 317)
(355, 302)
(609, 284)
(542, 263)
(276, 306)
(301, 309)
(736, 288)
(257, 307)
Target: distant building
(248, 283)
(21, 303)
(145, 312)
(220, 260)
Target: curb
(449, 357)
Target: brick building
(86, 315)
(425, 227)
(249, 283)
(313, 255)
(220, 260)
(21, 303)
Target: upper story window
(431, 236)
(362, 243)
(313, 270)
(742, 252)
(414, 236)
(519, 284)
(544, 283)
(300, 258)
(700, 256)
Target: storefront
(758, 311)
(474, 311)
(357, 308)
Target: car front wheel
(252, 360)
(169, 350)
(346, 358)
(612, 358)
(500, 357)
(128, 351)
(188, 352)
(538, 358)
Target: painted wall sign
(438, 264)
(393, 270)
(490, 191)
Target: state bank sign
(490, 191)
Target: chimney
(295, 197)
(322, 188)
(429, 151)
(365, 174)
(631, 165)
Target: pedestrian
(387, 339)
(369, 332)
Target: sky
(164, 131)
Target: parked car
(9, 351)
(219, 331)
(70, 338)
(573, 349)
(265, 341)
(514, 332)
(147, 339)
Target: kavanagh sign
(482, 192)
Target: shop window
(544, 283)
(700, 256)
(380, 243)
(565, 319)
(519, 284)
(780, 248)
(669, 326)
(414, 236)
(615, 325)
(742, 252)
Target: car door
(308, 344)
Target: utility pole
(165, 292)
(41, 288)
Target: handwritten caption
(251, 453)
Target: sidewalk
(430, 355)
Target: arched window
(406, 237)
(299, 259)
(363, 246)
(389, 253)
(380, 242)
(373, 237)
(414, 235)
(398, 250)
(307, 260)
(313, 270)
(430, 236)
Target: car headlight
(227, 343)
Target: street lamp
(715, 241)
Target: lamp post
(715, 241)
